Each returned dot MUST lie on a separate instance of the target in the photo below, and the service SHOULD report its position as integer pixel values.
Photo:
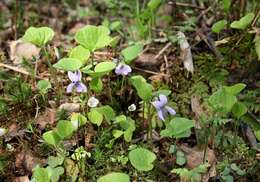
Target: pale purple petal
(126, 69)
(70, 87)
(163, 99)
(81, 87)
(123, 69)
(170, 110)
(74, 77)
(157, 104)
(160, 114)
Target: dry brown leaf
(70, 107)
(194, 156)
(47, 117)
(24, 160)
(22, 179)
(146, 60)
(197, 109)
(20, 50)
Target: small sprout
(123, 69)
(132, 108)
(75, 78)
(161, 106)
(2, 131)
(93, 102)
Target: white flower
(2, 131)
(132, 107)
(93, 102)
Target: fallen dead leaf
(70, 107)
(194, 156)
(186, 55)
(25, 161)
(198, 110)
(47, 117)
(146, 60)
(22, 179)
(20, 50)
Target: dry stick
(163, 50)
(17, 70)
(186, 5)
(150, 72)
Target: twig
(17, 70)
(186, 5)
(150, 72)
(162, 50)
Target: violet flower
(75, 78)
(123, 69)
(161, 106)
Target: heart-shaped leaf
(218, 26)
(100, 69)
(142, 159)
(80, 53)
(38, 36)
(222, 101)
(68, 64)
(131, 52)
(243, 22)
(178, 127)
(51, 137)
(65, 129)
(95, 117)
(235, 89)
(144, 89)
(93, 37)
(114, 177)
(239, 109)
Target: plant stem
(149, 120)
(122, 85)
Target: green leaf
(43, 86)
(116, 25)
(65, 129)
(131, 52)
(257, 45)
(243, 22)
(51, 137)
(80, 53)
(95, 117)
(41, 174)
(38, 36)
(56, 173)
(114, 177)
(104, 67)
(107, 111)
(154, 4)
(235, 168)
(239, 109)
(235, 89)
(93, 37)
(218, 26)
(178, 127)
(257, 135)
(180, 158)
(144, 90)
(78, 120)
(226, 4)
(55, 161)
(117, 133)
(222, 101)
(96, 84)
(68, 64)
(142, 159)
